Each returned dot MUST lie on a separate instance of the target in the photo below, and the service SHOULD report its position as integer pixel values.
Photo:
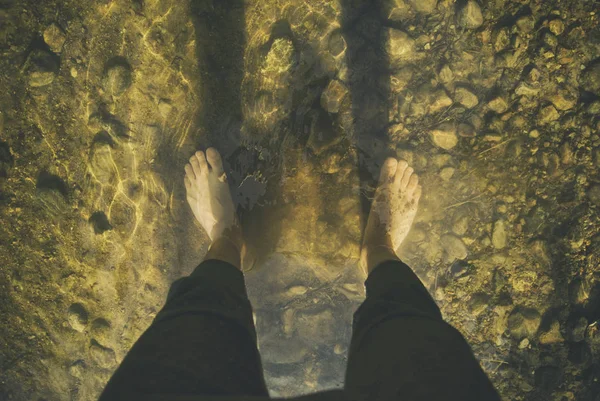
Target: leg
(203, 342)
(401, 348)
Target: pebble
(524, 89)
(446, 74)
(470, 16)
(446, 173)
(590, 79)
(401, 47)
(101, 331)
(423, 6)
(41, 68)
(498, 104)
(593, 194)
(439, 101)
(465, 97)
(556, 26)
(526, 24)
(454, 247)
(466, 130)
(499, 234)
(77, 317)
(552, 336)
(337, 43)
(565, 98)
(118, 77)
(523, 322)
(547, 115)
(333, 95)
(502, 39)
(524, 343)
(55, 38)
(444, 136)
(165, 107)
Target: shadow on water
(220, 29)
(363, 25)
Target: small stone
(470, 16)
(590, 79)
(466, 130)
(498, 104)
(447, 173)
(118, 77)
(77, 369)
(550, 40)
(460, 224)
(526, 24)
(74, 72)
(479, 303)
(552, 336)
(445, 136)
(524, 343)
(77, 317)
(499, 235)
(524, 89)
(423, 6)
(534, 134)
(593, 194)
(337, 44)
(41, 68)
(401, 47)
(446, 74)
(466, 97)
(454, 247)
(547, 115)
(333, 95)
(565, 98)
(556, 26)
(55, 38)
(523, 322)
(101, 331)
(439, 101)
(502, 39)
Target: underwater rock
(465, 97)
(552, 336)
(41, 68)
(593, 194)
(470, 16)
(423, 6)
(118, 76)
(55, 38)
(101, 331)
(565, 98)
(99, 222)
(401, 47)
(333, 95)
(590, 79)
(444, 136)
(523, 322)
(499, 234)
(547, 115)
(454, 247)
(498, 104)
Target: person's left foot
(208, 193)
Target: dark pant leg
(402, 349)
(203, 342)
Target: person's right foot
(393, 210)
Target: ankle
(228, 247)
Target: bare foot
(208, 193)
(392, 212)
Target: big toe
(388, 170)
(214, 158)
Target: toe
(195, 166)
(202, 161)
(388, 170)
(402, 166)
(188, 183)
(189, 171)
(406, 177)
(418, 192)
(214, 158)
(413, 183)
